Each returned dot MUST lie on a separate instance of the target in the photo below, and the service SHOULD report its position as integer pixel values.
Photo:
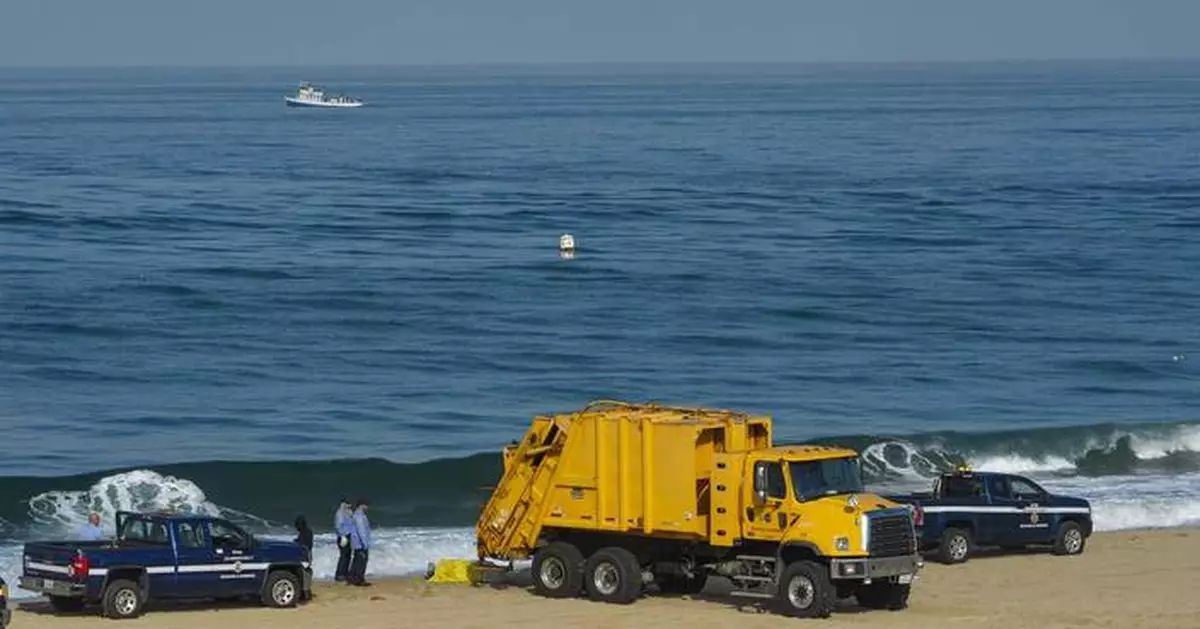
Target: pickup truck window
(1022, 488)
(961, 487)
(143, 530)
(226, 535)
(813, 479)
(190, 535)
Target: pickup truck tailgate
(48, 559)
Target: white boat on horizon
(310, 95)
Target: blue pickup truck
(166, 556)
(968, 509)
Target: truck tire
(805, 591)
(1069, 540)
(681, 584)
(955, 546)
(122, 599)
(613, 575)
(66, 604)
(557, 570)
(281, 589)
(893, 596)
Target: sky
(434, 32)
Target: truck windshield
(813, 479)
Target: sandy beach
(1128, 579)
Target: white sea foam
(1019, 464)
(1157, 446)
(901, 460)
(399, 551)
(139, 490)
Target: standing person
(91, 531)
(343, 523)
(360, 539)
(304, 535)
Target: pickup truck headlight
(841, 543)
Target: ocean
(212, 302)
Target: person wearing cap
(343, 523)
(360, 541)
(91, 531)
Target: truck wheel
(66, 604)
(805, 591)
(955, 546)
(893, 596)
(613, 575)
(558, 570)
(281, 589)
(122, 599)
(681, 584)
(1069, 540)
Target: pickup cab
(968, 509)
(166, 556)
(5, 613)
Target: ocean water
(213, 302)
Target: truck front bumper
(52, 587)
(904, 566)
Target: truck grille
(891, 535)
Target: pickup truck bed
(968, 509)
(166, 556)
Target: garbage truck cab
(616, 494)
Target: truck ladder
(513, 523)
(756, 584)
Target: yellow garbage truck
(616, 495)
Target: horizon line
(643, 63)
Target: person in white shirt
(91, 531)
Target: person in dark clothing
(360, 540)
(304, 535)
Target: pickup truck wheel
(122, 599)
(681, 584)
(613, 575)
(1069, 540)
(282, 589)
(805, 591)
(557, 570)
(66, 604)
(955, 546)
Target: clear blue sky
(306, 32)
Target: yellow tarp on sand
(451, 571)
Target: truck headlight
(841, 543)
